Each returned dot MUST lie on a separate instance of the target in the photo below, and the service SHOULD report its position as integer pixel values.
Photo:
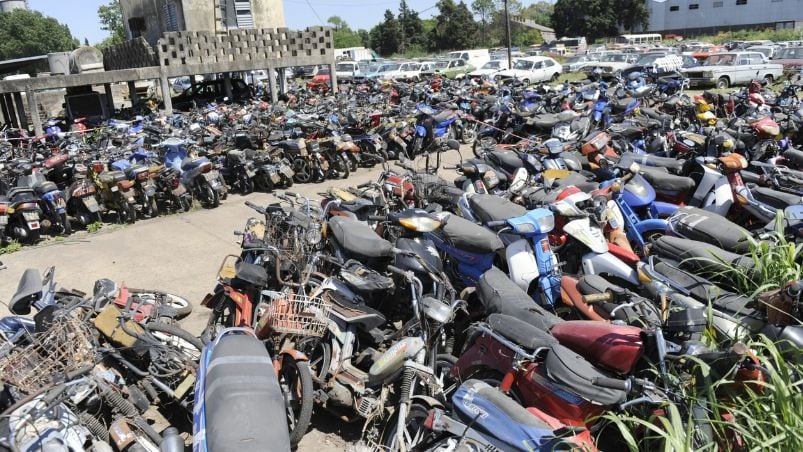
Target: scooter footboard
(607, 263)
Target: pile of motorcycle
(102, 371)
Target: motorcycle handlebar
(611, 383)
(397, 270)
(598, 297)
(255, 207)
(365, 185)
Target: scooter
(51, 201)
(197, 174)
(431, 126)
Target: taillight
(97, 167)
(174, 183)
(3, 208)
(28, 205)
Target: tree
(600, 18)
(484, 9)
(386, 35)
(337, 22)
(26, 33)
(455, 27)
(111, 19)
(411, 28)
(343, 36)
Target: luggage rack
(293, 314)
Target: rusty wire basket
(298, 315)
(64, 347)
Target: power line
(315, 12)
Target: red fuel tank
(613, 347)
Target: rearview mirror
(453, 145)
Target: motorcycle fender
(395, 357)
(591, 237)
(428, 401)
(660, 208)
(465, 209)
(293, 353)
(652, 224)
(90, 205)
(522, 264)
(607, 263)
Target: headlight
(546, 223)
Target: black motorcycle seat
(112, 177)
(356, 205)
(545, 121)
(775, 198)
(246, 274)
(795, 156)
(354, 312)
(243, 400)
(358, 238)
(620, 105)
(45, 187)
(513, 410)
(520, 332)
(294, 145)
(29, 290)
(493, 208)
(661, 179)
(628, 158)
(17, 191)
(695, 256)
(572, 371)
(750, 177)
(499, 295)
(444, 116)
(627, 131)
(508, 159)
(135, 169)
(709, 227)
(467, 236)
(742, 136)
(592, 284)
(541, 196)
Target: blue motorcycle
(430, 126)
(197, 174)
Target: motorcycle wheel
(176, 337)
(66, 228)
(246, 184)
(127, 213)
(295, 379)
(303, 170)
(353, 164)
(210, 197)
(181, 305)
(263, 183)
(416, 145)
(469, 134)
(150, 208)
(319, 352)
(416, 432)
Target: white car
(532, 69)
(490, 68)
(399, 71)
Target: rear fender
(429, 402)
(293, 353)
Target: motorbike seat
(699, 224)
(188, 163)
(353, 312)
(661, 179)
(672, 165)
(627, 131)
(29, 290)
(544, 122)
(21, 194)
(591, 284)
(749, 177)
(541, 196)
(246, 274)
(775, 198)
(520, 332)
(696, 255)
(444, 116)
(493, 208)
(359, 239)
(112, 177)
(467, 236)
(795, 156)
(43, 187)
(572, 371)
(498, 294)
(747, 137)
(356, 205)
(507, 159)
(499, 409)
(243, 398)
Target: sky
(82, 18)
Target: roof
(19, 63)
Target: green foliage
(600, 18)
(455, 27)
(385, 36)
(11, 247)
(111, 19)
(94, 227)
(750, 35)
(411, 29)
(26, 33)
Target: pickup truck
(733, 68)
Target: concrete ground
(180, 254)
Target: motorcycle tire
(416, 416)
(245, 183)
(152, 208)
(66, 228)
(127, 213)
(175, 336)
(469, 134)
(416, 145)
(211, 197)
(353, 164)
(263, 183)
(319, 353)
(295, 379)
(181, 305)
(303, 170)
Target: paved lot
(179, 254)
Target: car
(610, 64)
(575, 63)
(490, 68)
(384, 70)
(532, 69)
(427, 68)
(767, 51)
(211, 91)
(475, 58)
(397, 71)
(791, 58)
(347, 70)
(453, 69)
(321, 79)
(733, 68)
(706, 51)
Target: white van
(476, 58)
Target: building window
(741, 2)
(694, 6)
(170, 16)
(242, 10)
(717, 4)
(674, 8)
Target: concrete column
(227, 86)
(8, 114)
(168, 102)
(282, 80)
(33, 106)
(21, 110)
(274, 94)
(132, 93)
(107, 88)
(333, 77)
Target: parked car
(791, 58)
(575, 63)
(475, 58)
(347, 70)
(532, 69)
(453, 69)
(211, 91)
(611, 63)
(733, 68)
(767, 51)
(706, 51)
(427, 68)
(490, 68)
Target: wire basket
(298, 315)
(64, 347)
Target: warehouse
(690, 17)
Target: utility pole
(507, 34)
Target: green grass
(747, 35)
(11, 247)
(94, 227)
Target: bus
(629, 40)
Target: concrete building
(150, 18)
(686, 17)
(10, 5)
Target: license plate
(287, 171)
(30, 216)
(33, 225)
(4, 220)
(115, 188)
(91, 204)
(180, 190)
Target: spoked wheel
(303, 171)
(319, 352)
(181, 305)
(415, 433)
(150, 208)
(469, 134)
(295, 379)
(185, 203)
(178, 338)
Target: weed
(94, 227)
(11, 247)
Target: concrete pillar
(33, 107)
(227, 86)
(282, 80)
(107, 88)
(168, 102)
(333, 77)
(132, 93)
(274, 94)
(8, 113)
(21, 111)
